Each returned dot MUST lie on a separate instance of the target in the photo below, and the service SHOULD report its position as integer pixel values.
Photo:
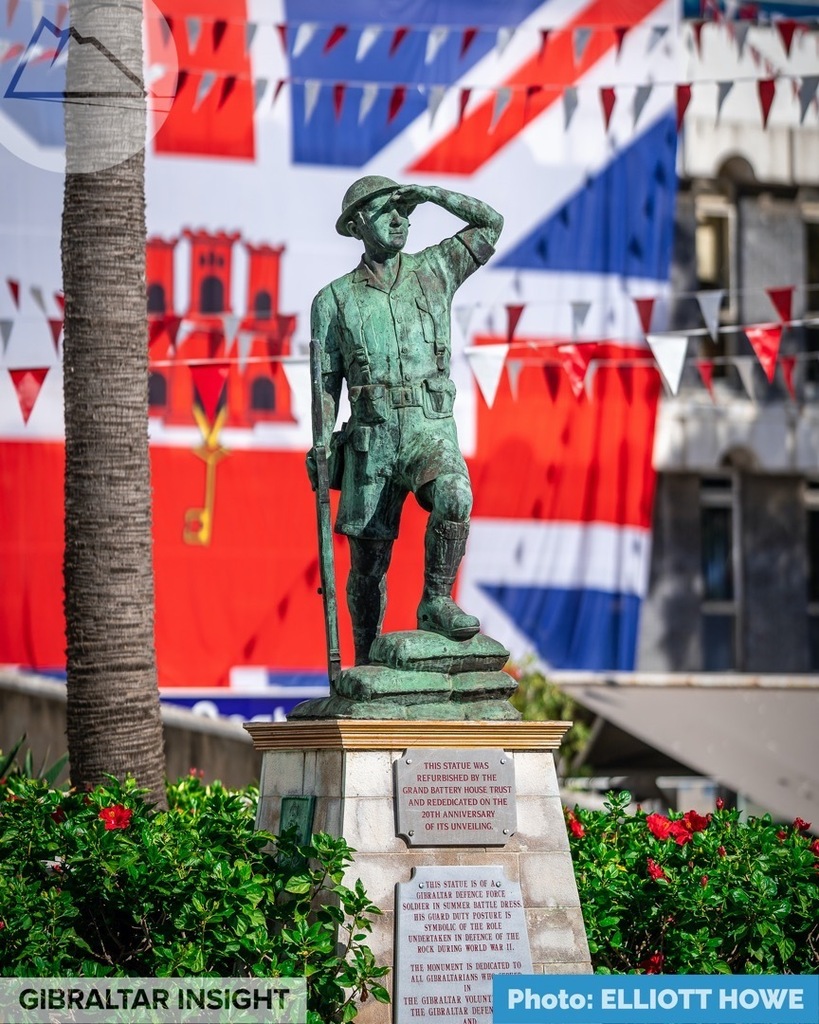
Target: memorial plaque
(446, 797)
(455, 928)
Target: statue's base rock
(419, 675)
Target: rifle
(325, 529)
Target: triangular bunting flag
(206, 83)
(369, 94)
(193, 29)
(531, 90)
(27, 384)
(575, 361)
(397, 97)
(588, 380)
(56, 326)
(335, 37)
(312, 88)
(552, 376)
(740, 35)
(782, 299)
(765, 342)
(786, 27)
(657, 33)
(620, 33)
(462, 102)
(683, 99)
(513, 315)
(486, 363)
(513, 368)
(745, 367)
(544, 43)
(467, 39)
(165, 28)
(503, 39)
(608, 98)
(184, 331)
(297, 372)
(580, 39)
(696, 28)
(435, 40)
(172, 324)
(219, 29)
(250, 34)
(502, 99)
(710, 303)
(766, 88)
(366, 41)
(706, 369)
(569, 104)
(282, 31)
(304, 35)
(807, 91)
(723, 88)
(228, 85)
(244, 342)
(259, 90)
(645, 307)
(580, 310)
(230, 325)
(59, 298)
(5, 332)
(14, 288)
(279, 86)
(641, 97)
(788, 364)
(37, 294)
(397, 38)
(209, 383)
(463, 314)
(338, 98)
(669, 353)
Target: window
(263, 395)
(810, 214)
(157, 391)
(715, 254)
(719, 533)
(262, 305)
(156, 298)
(211, 296)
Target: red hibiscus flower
(814, 847)
(704, 881)
(577, 829)
(695, 822)
(781, 835)
(116, 817)
(58, 815)
(801, 824)
(658, 826)
(721, 851)
(655, 871)
(720, 803)
(653, 964)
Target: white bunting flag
(297, 371)
(434, 98)
(513, 368)
(312, 88)
(366, 41)
(746, 368)
(486, 363)
(502, 99)
(5, 332)
(570, 102)
(581, 41)
(244, 342)
(259, 90)
(740, 35)
(186, 328)
(580, 310)
(503, 39)
(723, 88)
(193, 27)
(37, 295)
(206, 83)
(669, 352)
(304, 35)
(588, 380)
(369, 94)
(807, 92)
(230, 325)
(435, 40)
(250, 34)
(710, 303)
(641, 96)
(463, 314)
(657, 33)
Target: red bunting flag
(338, 98)
(697, 27)
(766, 88)
(544, 42)
(608, 98)
(209, 382)
(467, 39)
(56, 325)
(59, 18)
(397, 97)
(219, 29)
(172, 325)
(575, 360)
(335, 37)
(788, 364)
(14, 288)
(645, 308)
(786, 27)
(27, 384)
(279, 86)
(552, 375)
(706, 368)
(782, 299)
(513, 315)
(765, 342)
(11, 10)
(282, 30)
(620, 32)
(397, 38)
(462, 102)
(531, 92)
(59, 298)
(228, 85)
(683, 99)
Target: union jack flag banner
(560, 114)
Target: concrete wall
(35, 706)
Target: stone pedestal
(347, 764)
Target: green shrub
(538, 700)
(99, 883)
(691, 894)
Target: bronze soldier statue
(385, 329)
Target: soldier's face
(383, 225)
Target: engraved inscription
(455, 928)
(450, 797)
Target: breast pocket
(438, 397)
(427, 320)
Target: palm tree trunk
(114, 724)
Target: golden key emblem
(199, 521)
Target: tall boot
(366, 600)
(444, 545)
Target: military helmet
(359, 193)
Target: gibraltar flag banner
(559, 113)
